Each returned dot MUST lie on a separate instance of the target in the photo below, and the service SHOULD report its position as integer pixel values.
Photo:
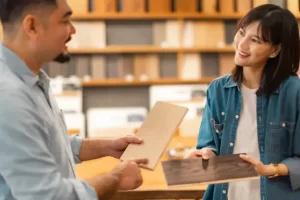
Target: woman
(256, 109)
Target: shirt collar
(230, 83)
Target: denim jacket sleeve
(207, 137)
(293, 163)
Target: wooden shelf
(149, 16)
(121, 82)
(148, 49)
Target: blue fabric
(278, 127)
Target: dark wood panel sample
(219, 169)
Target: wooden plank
(165, 81)
(226, 6)
(105, 6)
(162, 122)
(293, 6)
(209, 6)
(79, 6)
(1, 32)
(184, 6)
(159, 194)
(226, 63)
(133, 6)
(259, 2)
(243, 6)
(219, 169)
(159, 6)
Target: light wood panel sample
(105, 6)
(133, 6)
(227, 6)
(159, 6)
(219, 169)
(259, 2)
(243, 6)
(209, 6)
(157, 131)
(79, 6)
(293, 6)
(189, 6)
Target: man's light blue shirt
(37, 157)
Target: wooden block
(243, 6)
(219, 169)
(139, 67)
(133, 6)
(159, 6)
(105, 6)
(226, 63)
(1, 32)
(227, 6)
(209, 33)
(152, 66)
(209, 6)
(293, 6)
(259, 2)
(79, 6)
(186, 6)
(158, 129)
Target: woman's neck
(252, 77)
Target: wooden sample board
(157, 131)
(219, 169)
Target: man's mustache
(68, 39)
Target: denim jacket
(278, 128)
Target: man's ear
(31, 26)
(276, 50)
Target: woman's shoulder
(291, 83)
(222, 82)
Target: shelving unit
(126, 47)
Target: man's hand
(98, 148)
(204, 153)
(125, 176)
(118, 146)
(129, 174)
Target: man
(36, 155)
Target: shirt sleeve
(76, 142)
(27, 166)
(293, 163)
(206, 136)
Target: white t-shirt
(246, 142)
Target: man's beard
(63, 57)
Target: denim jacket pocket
(217, 127)
(281, 137)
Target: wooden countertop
(153, 180)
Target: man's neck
(25, 55)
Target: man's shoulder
(12, 90)
(8, 80)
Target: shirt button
(237, 116)
(283, 124)
(231, 144)
(224, 191)
(223, 113)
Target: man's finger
(133, 140)
(141, 161)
